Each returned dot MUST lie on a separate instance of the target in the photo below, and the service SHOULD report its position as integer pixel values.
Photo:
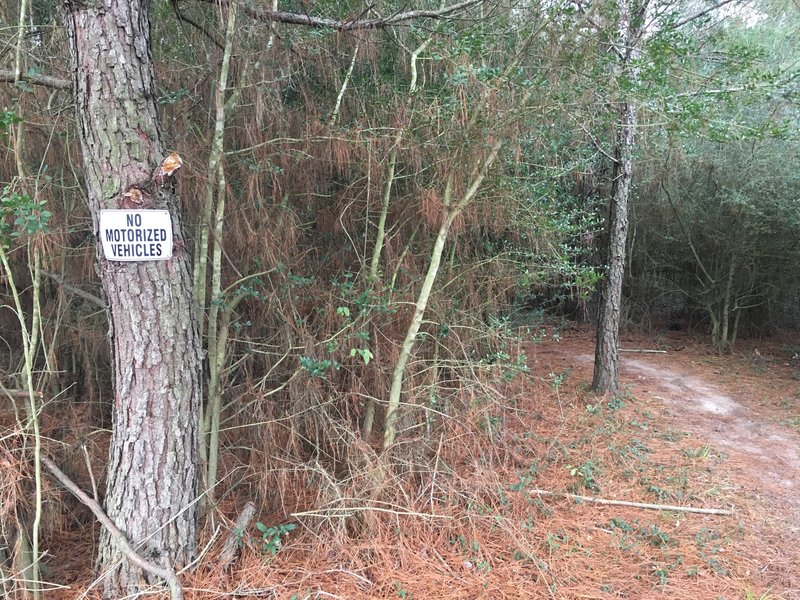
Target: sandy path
(763, 458)
(768, 452)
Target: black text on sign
(136, 235)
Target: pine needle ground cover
(467, 511)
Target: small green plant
(594, 409)
(701, 452)
(29, 216)
(617, 402)
(622, 532)
(585, 473)
(484, 566)
(655, 536)
(554, 540)
(7, 119)
(621, 524)
(364, 353)
(401, 591)
(661, 493)
(557, 379)
(519, 366)
(634, 449)
(525, 479)
(710, 543)
(271, 537)
(662, 573)
(318, 368)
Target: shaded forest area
(384, 208)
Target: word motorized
(136, 235)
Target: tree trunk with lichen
(152, 471)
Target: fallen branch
(689, 509)
(22, 394)
(347, 511)
(76, 290)
(235, 535)
(43, 80)
(119, 538)
(642, 351)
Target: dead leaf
(133, 197)
(171, 163)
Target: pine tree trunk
(606, 358)
(152, 471)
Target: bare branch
(358, 23)
(697, 15)
(76, 290)
(119, 538)
(184, 19)
(43, 80)
(645, 505)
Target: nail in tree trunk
(152, 470)
(606, 358)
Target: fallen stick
(119, 538)
(22, 394)
(235, 535)
(689, 509)
(640, 351)
(76, 290)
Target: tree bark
(152, 471)
(606, 358)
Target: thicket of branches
(334, 138)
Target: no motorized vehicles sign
(136, 235)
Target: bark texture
(152, 472)
(606, 357)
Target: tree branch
(76, 290)
(357, 23)
(164, 573)
(43, 80)
(696, 16)
(184, 19)
(670, 507)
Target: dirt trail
(762, 455)
(767, 452)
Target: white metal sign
(136, 235)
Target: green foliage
(20, 215)
(7, 119)
(585, 473)
(556, 380)
(318, 368)
(364, 353)
(656, 536)
(173, 97)
(272, 537)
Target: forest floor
(690, 428)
